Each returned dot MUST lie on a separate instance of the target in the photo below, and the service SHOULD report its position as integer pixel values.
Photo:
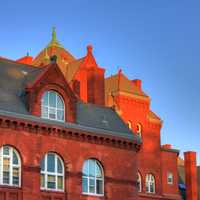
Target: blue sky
(153, 40)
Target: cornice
(67, 133)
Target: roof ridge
(95, 105)
(15, 62)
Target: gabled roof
(14, 78)
(120, 82)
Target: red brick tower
(190, 175)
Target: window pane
(42, 181)
(6, 179)
(85, 185)
(52, 113)
(45, 99)
(92, 168)
(99, 186)
(51, 163)
(6, 164)
(51, 182)
(15, 176)
(60, 103)
(6, 169)
(42, 164)
(98, 171)
(91, 186)
(151, 188)
(15, 159)
(44, 112)
(59, 166)
(60, 182)
(60, 115)
(52, 99)
(86, 168)
(6, 150)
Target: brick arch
(17, 149)
(62, 155)
(94, 158)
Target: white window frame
(170, 176)
(129, 124)
(56, 174)
(54, 108)
(11, 166)
(88, 177)
(149, 181)
(139, 129)
(139, 182)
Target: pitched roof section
(54, 48)
(120, 82)
(14, 77)
(103, 118)
(72, 68)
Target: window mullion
(45, 174)
(11, 167)
(1, 166)
(56, 174)
(95, 180)
(48, 105)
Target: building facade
(67, 132)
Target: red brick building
(69, 133)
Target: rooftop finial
(54, 34)
(89, 48)
(54, 41)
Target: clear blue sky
(157, 41)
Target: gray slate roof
(13, 80)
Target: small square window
(170, 178)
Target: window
(10, 167)
(139, 182)
(129, 124)
(52, 173)
(170, 178)
(52, 106)
(150, 183)
(139, 129)
(92, 178)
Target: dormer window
(52, 106)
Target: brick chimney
(190, 175)
(138, 83)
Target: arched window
(129, 124)
(52, 172)
(139, 182)
(10, 166)
(150, 183)
(92, 178)
(52, 106)
(139, 129)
